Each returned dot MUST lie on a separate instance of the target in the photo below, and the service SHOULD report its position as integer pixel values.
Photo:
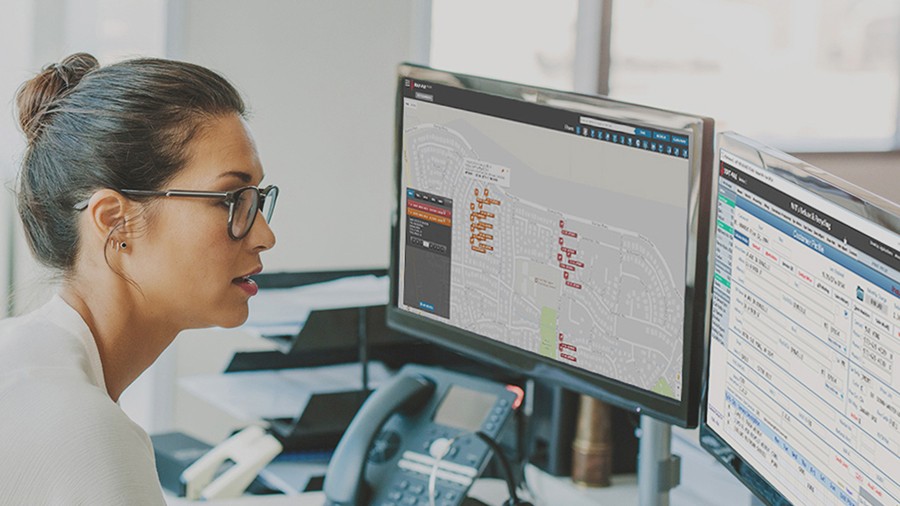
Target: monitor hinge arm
(669, 473)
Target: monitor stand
(658, 470)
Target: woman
(140, 186)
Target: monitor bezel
(683, 412)
(844, 194)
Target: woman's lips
(247, 284)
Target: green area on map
(548, 332)
(662, 387)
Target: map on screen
(569, 243)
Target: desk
(548, 490)
(305, 499)
(551, 490)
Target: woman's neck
(128, 337)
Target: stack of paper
(283, 393)
(283, 311)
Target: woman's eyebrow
(243, 176)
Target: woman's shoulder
(36, 340)
(63, 403)
(46, 377)
(75, 434)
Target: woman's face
(189, 269)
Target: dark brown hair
(123, 126)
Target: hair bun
(38, 95)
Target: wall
(319, 79)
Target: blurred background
(817, 78)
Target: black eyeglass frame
(229, 197)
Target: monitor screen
(802, 400)
(556, 235)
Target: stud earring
(121, 245)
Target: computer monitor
(803, 392)
(556, 235)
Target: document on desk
(283, 311)
(283, 393)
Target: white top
(62, 438)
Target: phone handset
(344, 480)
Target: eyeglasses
(243, 204)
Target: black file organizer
(329, 337)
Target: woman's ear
(107, 210)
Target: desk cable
(507, 471)
(432, 477)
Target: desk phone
(390, 449)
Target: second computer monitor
(559, 235)
(803, 396)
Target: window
(801, 75)
(113, 30)
(514, 40)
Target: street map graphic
(538, 244)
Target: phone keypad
(425, 448)
(412, 493)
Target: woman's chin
(235, 318)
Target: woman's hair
(123, 126)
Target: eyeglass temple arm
(178, 193)
(80, 206)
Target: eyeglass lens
(246, 205)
